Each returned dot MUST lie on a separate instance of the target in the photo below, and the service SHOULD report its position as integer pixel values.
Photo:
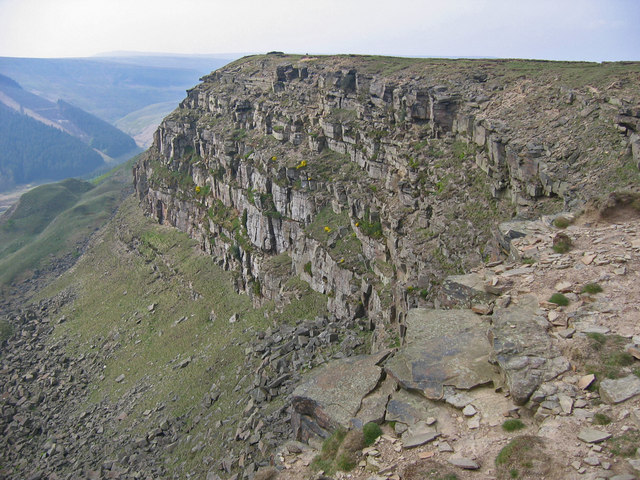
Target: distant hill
(112, 87)
(31, 150)
(76, 122)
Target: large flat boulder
(526, 354)
(332, 396)
(444, 348)
(619, 390)
(464, 290)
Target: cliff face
(372, 178)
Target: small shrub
(528, 261)
(257, 288)
(561, 243)
(513, 473)
(559, 299)
(601, 419)
(591, 288)
(512, 425)
(371, 432)
(561, 222)
(307, 269)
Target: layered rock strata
(372, 178)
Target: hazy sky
(552, 29)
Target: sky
(593, 30)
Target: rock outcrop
(373, 178)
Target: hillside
(88, 128)
(111, 87)
(445, 248)
(48, 228)
(32, 151)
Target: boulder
(331, 397)
(619, 390)
(444, 348)
(523, 350)
(464, 290)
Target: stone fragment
(457, 400)
(411, 440)
(591, 435)
(463, 462)
(635, 464)
(566, 332)
(410, 408)
(444, 447)
(120, 378)
(469, 411)
(566, 403)
(633, 350)
(585, 381)
(464, 290)
(563, 287)
(619, 390)
(482, 308)
(592, 460)
(444, 348)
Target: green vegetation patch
(604, 356)
(513, 425)
(524, 456)
(371, 432)
(591, 288)
(55, 220)
(138, 263)
(601, 419)
(339, 451)
(625, 444)
(559, 299)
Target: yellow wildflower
(327, 229)
(198, 189)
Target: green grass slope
(135, 263)
(54, 220)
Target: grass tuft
(591, 288)
(559, 299)
(513, 425)
(601, 419)
(371, 432)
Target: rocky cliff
(372, 178)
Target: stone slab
(619, 390)
(444, 348)
(331, 396)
